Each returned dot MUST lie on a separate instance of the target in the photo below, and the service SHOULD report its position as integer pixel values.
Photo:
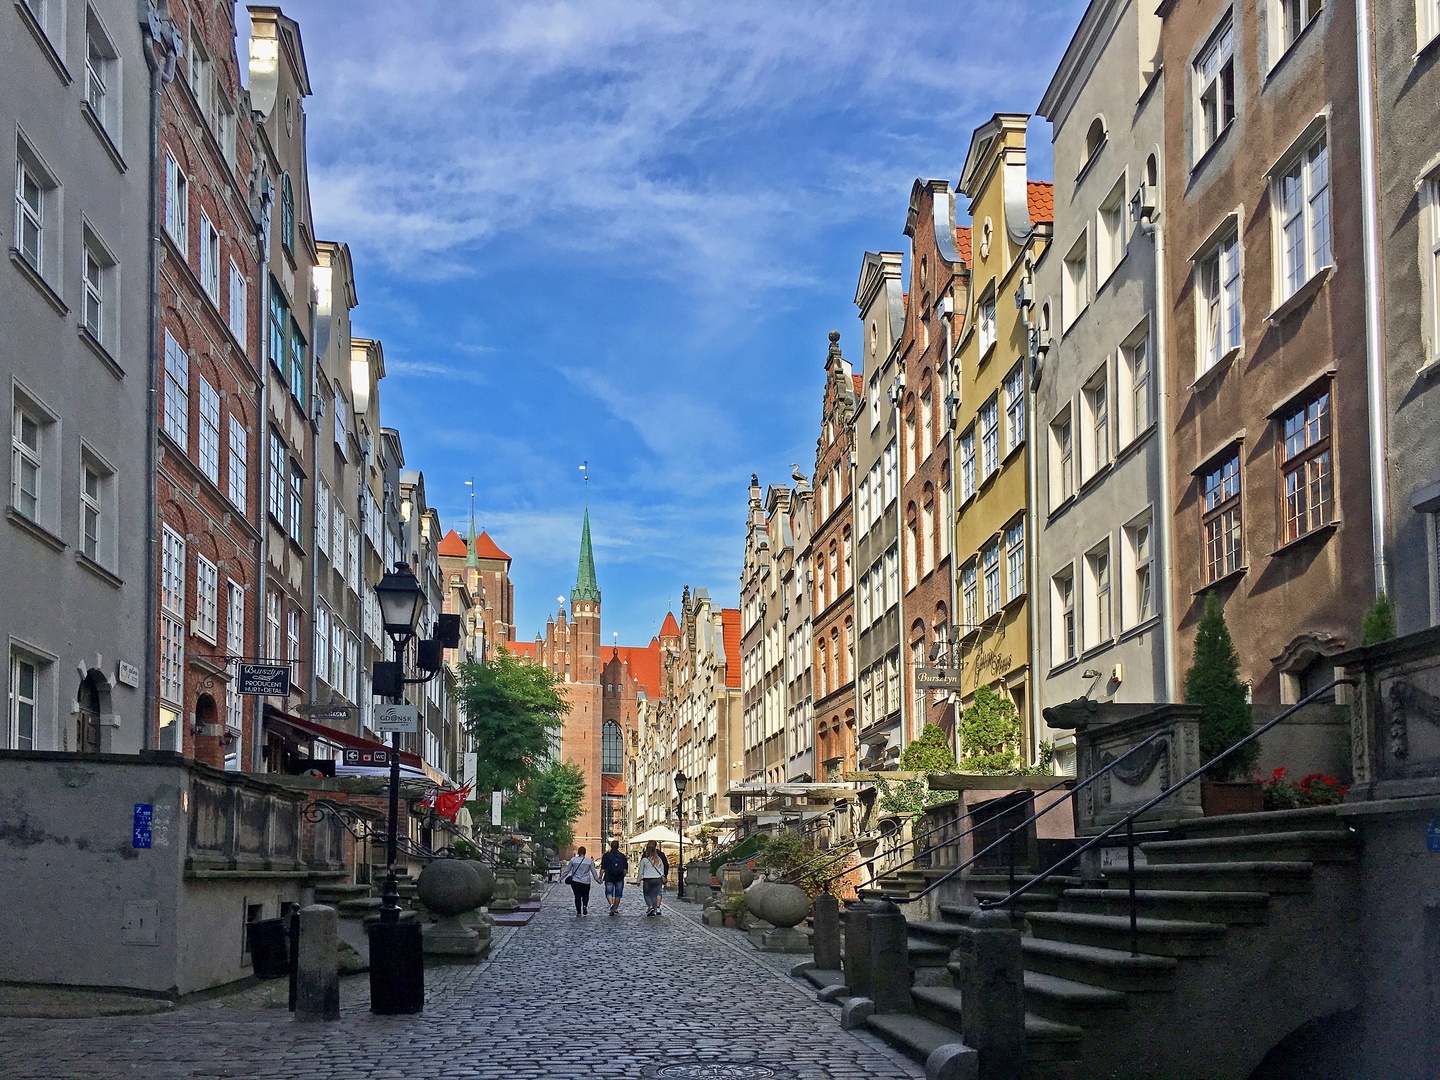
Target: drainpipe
(1156, 231)
(262, 582)
(900, 635)
(1374, 361)
(1032, 525)
(950, 515)
(160, 57)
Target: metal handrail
(1010, 835)
(1128, 821)
(853, 845)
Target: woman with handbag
(579, 873)
(652, 877)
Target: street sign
(402, 718)
(264, 680)
(144, 816)
(331, 714)
(373, 759)
(928, 678)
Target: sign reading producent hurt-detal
(264, 680)
(402, 718)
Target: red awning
(337, 737)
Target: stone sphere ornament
(448, 887)
(784, 905)
(755, 897)
(485, 876)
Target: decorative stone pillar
(827, 932)
(857, 948)
(994, 996)
(317, 969)
(889, 959)
(504, 890)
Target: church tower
(582, 734)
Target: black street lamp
(680, 782)
(394, 956)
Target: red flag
(448, 803)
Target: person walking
(613, 868)
(579, 873)
(652, 878)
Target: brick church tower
(580, 739)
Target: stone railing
(1171, 756)
(240, 823)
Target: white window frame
(31, 195)
(968, 469)
(1430, 251)
(1213, 76)
(1139, 597)
(238, 315)
(1095, 397)
(1139, 369)
(1300, 197)
(207, 599)
(239, 471)
(27, 460)
(1064, 642)
(97, 273)
(1015, 560)
(1110, 239)
(1427, 23)
(1075, 283)
(352, 557)
(208, 437)
(970, 596)
(337, 654)
(1219, 320)
(275, 495)
(177, 203)
(210, 259)
(985, 322)
(993, 599)
(989, 423)
(97, 510)
(176, 419)
(1292, 17)
(1062, 449)
(20, 701)
(1099, 613)
(1014, 390)
(322, 515)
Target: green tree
(512, 709)
(559, 786)
(1379, 624)
(1213, 683)
(990, 734)
(929, 753)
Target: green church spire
(586, 587)
(472, 549)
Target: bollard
(317, 974)
(826, 938)
(857, 948)
(994, 1014)
(889, 959)
(294, 950)
(397, 968)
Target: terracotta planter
(1221, 797)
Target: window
(26, 461)
(1428, 12)
(1015, 408)
(891, 486)
(342, 423)
(275, 496)
(96, 269)
(927, 425)
(337, 654)
(1221, 519)
(1097, 408)
(235, 646)
(279, 330)
(911, 445)
(892, 578)
(298, 385)
(927, 533)
(237, 314)
(352, 562)
(1110, 232)
(1094, 139)
(1015, 559)
(1075, 283)
(1303, 195)
(209, 431)
(1430, 254)
(863, 495)
(612, 749)
(1137, 358)
(172, 616)
(970, 596)
(234, 618)
(1142, 600)
(985, 320)
(96, 511)
(199, 75)
(1064, 629)
(272, 626)
(989, 437)
(967, 464)
(177, 393)
(864, 599)
(239, 463)
(1309, 496)
(990, 564)
(287, 213)
(1097, 565)
(1063, 447)
(1219, 297)
(322, 642)
(1215, 89)
(1295, 15)
(209, 259)
(24, 702)
(322, 515)
(874, 398)
(207, 598)
(947, 520)
(292, 638)
(30, 191)
(297, 504)
(177, 205)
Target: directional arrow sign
(402, 718)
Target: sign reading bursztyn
(264, 680)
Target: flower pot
(730, 921)
(1221, 797)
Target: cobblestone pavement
(562, 997)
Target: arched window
(287, 213)
(1094, 138)
(612, 749)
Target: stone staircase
(1241, 923)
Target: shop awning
(795, 791)
(411, 767)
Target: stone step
(1298, 845)
(1113, 969)
(823, 977)
(1036, 900)
(1231, 908)
(953, 912)
(1270, 877)
(1157, 937)
(1267, 821)
(1045, 1040)
(928, 953)
(940, 931)
(358, 907)
(912, 1035)
(338, 891)
(1069, 1002)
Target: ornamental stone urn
(523, 891)
(504, 890)
(449, 888)
(485, 876)
(785, 907)
(754, 921)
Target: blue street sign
(1432, 835)
(144, 814)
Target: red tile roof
(612, 785)
(859, 383)
(962, 243)
(1040, 194)
(453, 544)
(643, 663)
(526, 649)
(669, 628)
(730, 623)
(485, 548)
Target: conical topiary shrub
(1213, 683)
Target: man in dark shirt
(613, 867)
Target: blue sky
(619, 232)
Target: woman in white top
(652, 877)
(579, 873)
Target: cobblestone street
(562, 997)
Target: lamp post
(397, 969)
(680, 782)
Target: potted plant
(1213, 683)
(734, 907)
(1317, 789)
